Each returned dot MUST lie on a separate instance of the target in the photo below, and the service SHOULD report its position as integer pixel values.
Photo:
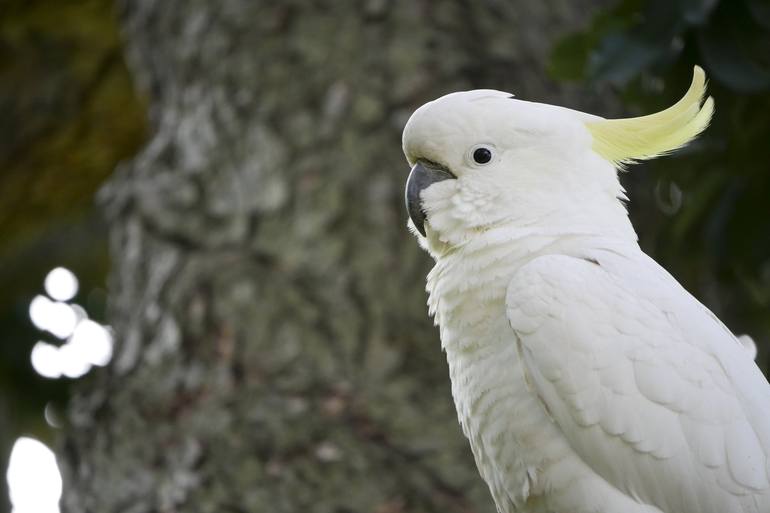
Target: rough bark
(274, 351)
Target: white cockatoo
(586, 379)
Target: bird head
(483, 159)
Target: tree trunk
(274, 352)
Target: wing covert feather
(655, 410)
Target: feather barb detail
(623, 141)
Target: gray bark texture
(274, 351)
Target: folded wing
(648, 387)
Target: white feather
(586, 379)
(676, 433)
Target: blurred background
(209, 300)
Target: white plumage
(586, 379)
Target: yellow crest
(623, 141)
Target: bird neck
(469, 282)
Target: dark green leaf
(696, 12)
(569, 57)
(760, 12)
(728, 63)
(622, 57)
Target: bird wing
(647, 386)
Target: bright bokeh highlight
(45, 360)
(61, 284)
(90, 344)
(34, 481)
(93, 341)
(72, 362)
(87, 343)
(57, 318)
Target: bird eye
(482, 155)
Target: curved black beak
(423, 175)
